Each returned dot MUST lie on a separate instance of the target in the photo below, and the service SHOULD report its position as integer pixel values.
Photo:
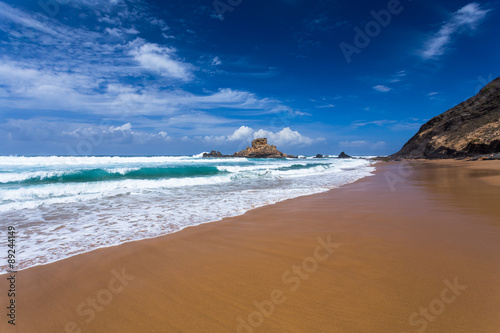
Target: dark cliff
(469, 129)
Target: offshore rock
(261, 149)
(213, 153)
(344, 155)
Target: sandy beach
(414, 248)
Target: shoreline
(209, 276)
(373, 164)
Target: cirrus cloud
(382, 88)
(466, 19)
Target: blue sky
(85, 77)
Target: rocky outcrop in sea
(344, 155)
(259, 149)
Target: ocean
(62, 206)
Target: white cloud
(352, 144)
(131, 31)
(382, 88)
(43, 88)
(401, 73)
(161, 60)
(411, 125)
(114, 32)
(39, 89)
(124, 127)
(374, 122)
(327, 106)
(167, 36)
(163, 26)
(115, 134)
(284, 137)
(433, 96)
(398, 77)
(393, 125)
(235, 99)
(24, 19)
(244, 134)
(71, 133)
(466, 18)
(216, 61)
(107, 19)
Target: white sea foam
(84, 160)
(58, 220)
(12, 176)
(109, 188)
(122, 171)
(200, 155)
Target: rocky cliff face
(260, 149)
(469, 129)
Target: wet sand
(414, 248)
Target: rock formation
(469, 129)
(213, 153)
(343, 155)
(260, 149)
(318, 156)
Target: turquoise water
(63, 206)
(102, 175)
